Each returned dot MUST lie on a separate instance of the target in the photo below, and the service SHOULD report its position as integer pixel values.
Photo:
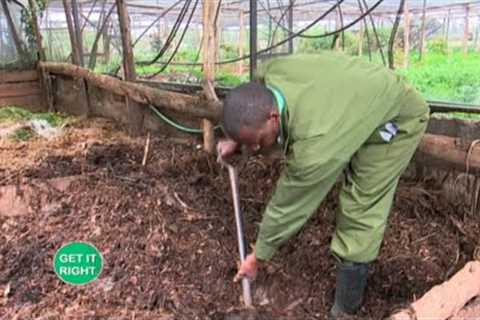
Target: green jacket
(334, 103)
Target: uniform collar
(282, 110)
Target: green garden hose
(177, 125)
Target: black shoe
(350, 286)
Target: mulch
(167, 235)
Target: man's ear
(273, 114)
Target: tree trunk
(101, 30)
(134, 112)
(36, 31)
(71, 31)
(106, 42)
(44, 81)
(19, 45)
(83, 93)
(183, 103)
(78, 31)
(393, 35)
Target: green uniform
(336, 107)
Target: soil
(167, 234)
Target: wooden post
(102, 23)
(209, 52)
(36, 31)
(253, 38)
(49, 34)
(337, 26)
(106, 42)
(290, 26)
(406, 35)
(466, 30)
(71, 30)
(78, 31)
(135, 113)
(19, 45)
(83, 98)
(218, 27)
(44, 81)
(477, 35)
(1, 43)
(360, 40)
(447, 31)
(393, 35)
(421, 47)
(241, 42)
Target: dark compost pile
(167, 235)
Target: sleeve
(299, 192)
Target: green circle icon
(78, 263)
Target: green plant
(228, 79)
(450, 78)
(26, 19)
(22, 134)
(437, 46)
(17, 114)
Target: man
(331, 114)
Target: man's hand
(225, 149)
(248, 268)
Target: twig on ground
(452, 267)
(424, 238)
(182, 203)
(147, 148)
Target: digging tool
(232, 173)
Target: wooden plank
(19, 89)
(33, 102)
(19, 76)
(448, 153)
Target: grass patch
(17, 114)
(22, 134)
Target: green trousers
(368, 190)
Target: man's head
(250, 116)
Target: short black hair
(247, 105)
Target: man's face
(256, 139)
